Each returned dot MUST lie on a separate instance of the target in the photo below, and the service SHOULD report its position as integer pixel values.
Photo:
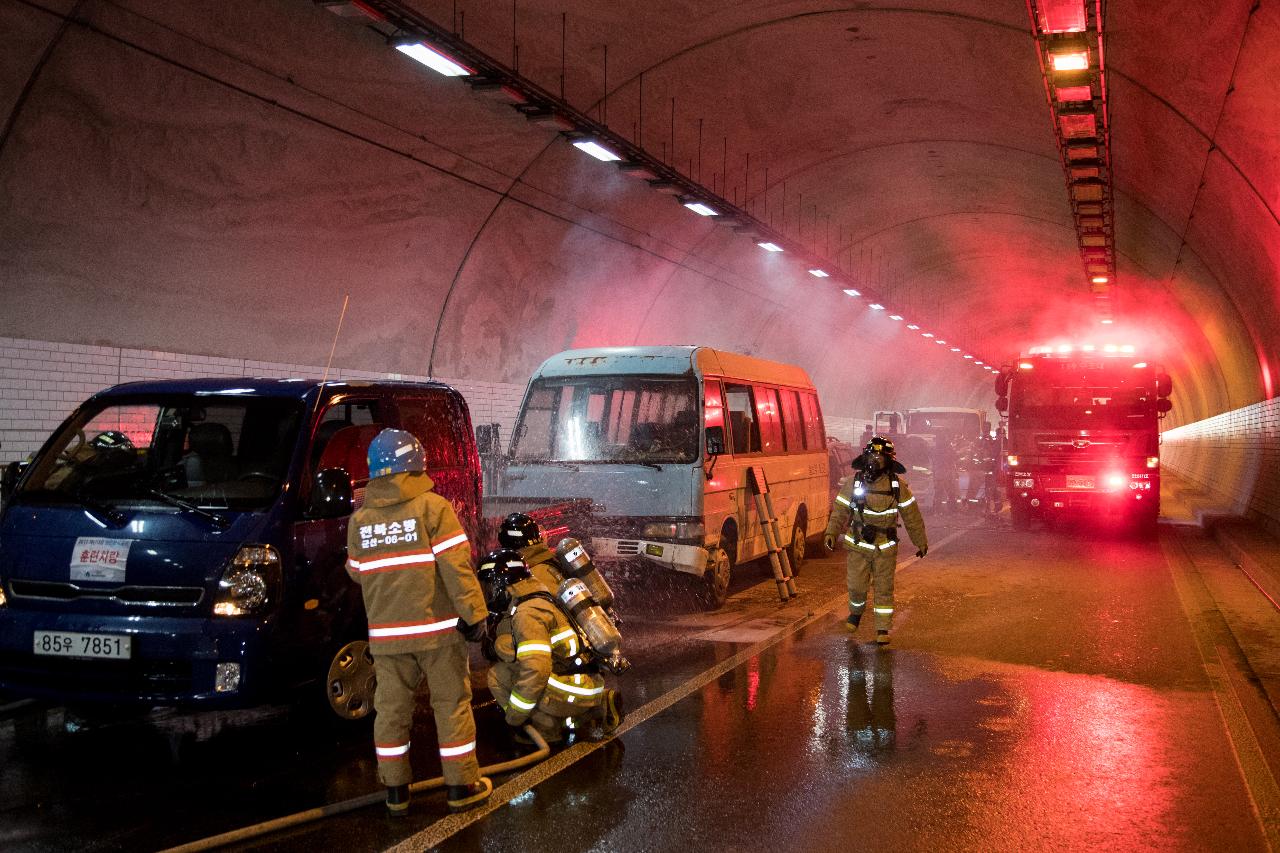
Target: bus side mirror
(9, 479)
(1002, 405)
(1164, 385)
(331, 495)
(715, 441)
(1164, 405)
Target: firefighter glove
(922, 550)
(829, 542)
(474, 633)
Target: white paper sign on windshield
(95, 559)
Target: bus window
(770, 422)
(792, 423)
(743, 427)
(813, 437)
(713, 407)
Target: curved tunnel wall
(212, 180)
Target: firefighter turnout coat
(542, 564)
(542, 674)
(865, 519)
(410, 555)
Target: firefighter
(865, 517)
(519, 532)
(412, 560)
(542, 671)
(946, 472)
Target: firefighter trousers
(863, 569)
(449, 681)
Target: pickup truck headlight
(250, 583)
(674, 529)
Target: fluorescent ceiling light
(969, 357)
(895, 316)
(433, 59)
(1099, 279)
(849, 291)
(940, 341)
(819, 274)
(955, 349)
(912, 326)
(700, 208)
(1106, 321)
(977, 362)
(1076, 61)
(770, 247)
(596, 150)
(926, 334)
(876, 306)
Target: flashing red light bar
(1061, 16)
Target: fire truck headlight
(1013, 460)
(1115, 481)
(1153, 461)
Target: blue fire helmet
(394, 451)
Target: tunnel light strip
(849, 291)
(770, 247)
(596, 150)
(700, 208)
(816, 273)
(433, 59)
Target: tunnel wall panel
(1234, 458)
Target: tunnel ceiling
(912, 142)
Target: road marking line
(440, 831)
(1260, 784)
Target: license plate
(72, 645)
(1079, 482)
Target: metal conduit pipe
(258, 830)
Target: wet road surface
(1044, 689)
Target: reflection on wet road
(1043, 690)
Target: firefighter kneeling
(548, 654)
(865, 516)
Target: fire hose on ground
(297, 819)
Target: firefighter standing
(542, 672)
(410, 556)
(865, 516)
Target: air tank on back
(576, 563)
(596, 627)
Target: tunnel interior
(193, 189)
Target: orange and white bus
(661, 440)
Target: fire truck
(1083, 434)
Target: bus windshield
(609, 419)
(1082, 397)
(216, 453)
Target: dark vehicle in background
(183, 543)
(1083, 434)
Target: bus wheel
(350, 682)
(714, 586)
(796, 552)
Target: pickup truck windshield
(953, 423)
(217, 453)
(609, 419)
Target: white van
(660, 439)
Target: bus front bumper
(687, 559)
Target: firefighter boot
(398, 800)
(614, 712)
(882, 637)
(851, 624)
(463, 797)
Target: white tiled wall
(1234, 457)
(41, 382)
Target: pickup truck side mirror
(9, 479)
(1164, 405)
(715, 441)
(331, 495)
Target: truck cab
(1083, 434)
(182, 542)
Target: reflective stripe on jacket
(880, 512)
(410, 555)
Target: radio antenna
(346, 297)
